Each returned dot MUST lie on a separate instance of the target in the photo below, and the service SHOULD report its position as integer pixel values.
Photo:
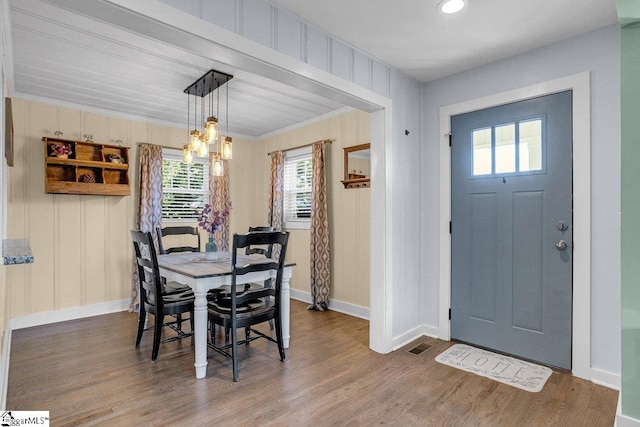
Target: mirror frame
(354, 182)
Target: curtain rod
(162, 146)
(326, 141)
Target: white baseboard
(605, 378)
(55, 316)
(414, 334)
(339, 306)
(363, 313)
(623, 420)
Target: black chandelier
(205, 136)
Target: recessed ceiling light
(451, 6)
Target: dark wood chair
(154, 299)
(246, 308)
(177, 231)
(263, 250)
(266, 250)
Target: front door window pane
(506, 148)
(482, 151)
(530, 145)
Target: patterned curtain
(276, 195)
(276, 191)
(219, 198)
(319, 230)
(150, 203)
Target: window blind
(297, 188)
(184, 187)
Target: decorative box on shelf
(82, 167)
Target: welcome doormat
(508, 370)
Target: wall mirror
(357, 166)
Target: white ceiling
(415, 38)
(64, 56)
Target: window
(297, 188)
(511, 148)
(184, 186)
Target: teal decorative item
(211, 249)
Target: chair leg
(142, 317)
(157, 335)
(278, 323)
(179, 323)
(247, 334)
(267, 284)
(234, 353)
(191, 323)
(212, 331)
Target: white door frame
(581, 317)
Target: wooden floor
(87, 372)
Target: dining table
(202, 275)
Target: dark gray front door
(511, 204)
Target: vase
(62, 156)
(211, 250)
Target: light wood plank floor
(87, 372)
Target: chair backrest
(148, 271)
(178, 231)
(267, 238)
(263, 250)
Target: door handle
(561, 245)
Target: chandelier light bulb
(195, 140)
(218, 166)
(212, 129)
(227, 148)
(203, 148)
(187, 156)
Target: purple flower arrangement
(211, 220)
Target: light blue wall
(404, 171)
(629, 15)
(596, 52)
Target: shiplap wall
(81, 244)
(273, 27)
(349, 217)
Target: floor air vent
(419, 348)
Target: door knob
(561, 245)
